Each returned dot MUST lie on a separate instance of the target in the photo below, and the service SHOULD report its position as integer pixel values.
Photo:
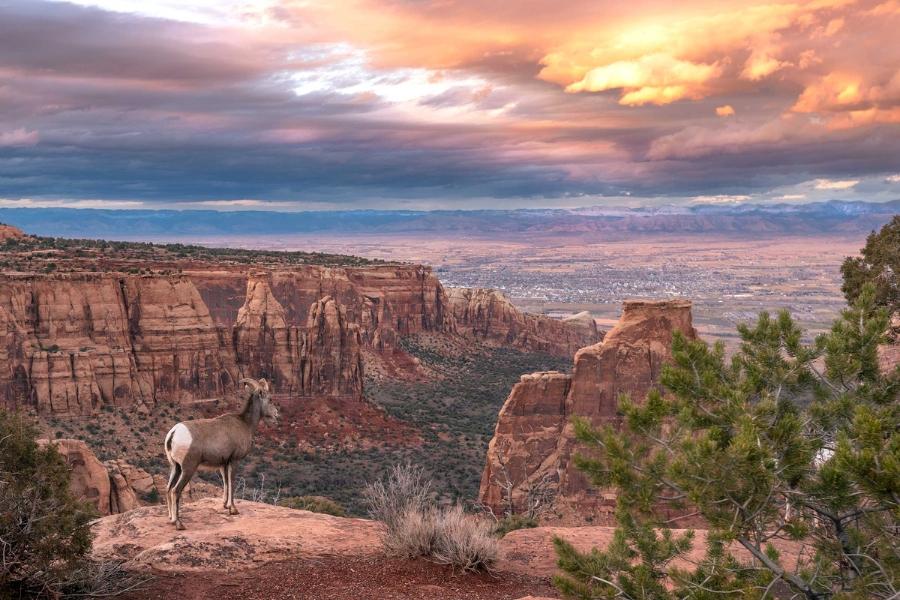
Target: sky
(321, 104)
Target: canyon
(124, 330)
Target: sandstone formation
(385, 301)
(88, 478)
(534, 439)
(8, 232)
(71, 343)
(489, 315)
(321, 357)
(116, 486)
(216, 540)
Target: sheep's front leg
(223, 473)
(229, 470)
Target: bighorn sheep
(216, 443)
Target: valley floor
(344, 578)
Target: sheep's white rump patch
(181, 442)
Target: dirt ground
(342, 578)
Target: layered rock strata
(534, 438)
(71, 343)
(489, 315)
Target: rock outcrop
(216, 540)
(8, 232)
(534, 439)
(88, 478)
(131, 487)
(116, 486)
(489, 315)
(322, 357)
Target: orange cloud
(653, 79)
(725, 111)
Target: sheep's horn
(264, 385)
(251, 382)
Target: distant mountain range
(751, 219)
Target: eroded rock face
(71, 343)
(488, 314)
(88, 478)
(320, 357)
(130, 487)
(333, 366)
(534, 439)
(385, 301)
(8, 232)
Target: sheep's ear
(264, 384)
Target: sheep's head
(261, 389)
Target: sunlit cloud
(653, 79)
(725, 111)
(829, 184)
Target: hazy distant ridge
(798, 219)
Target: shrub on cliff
(44, 531)
(414, 526)
(785, 442)
(316, 504)
(879, 265)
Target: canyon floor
(442, 421)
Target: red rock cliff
(489, 315)
(534, 439)
(70, 343)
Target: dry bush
(413, 535)
(463, 540)
(415, 526)
(406, 490)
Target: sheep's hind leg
(174, 473)
(229, 471)
(187, 471)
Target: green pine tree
(44, 531)
(879, 265)
(785, 441)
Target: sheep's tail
(168, 444)
(175, 471)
